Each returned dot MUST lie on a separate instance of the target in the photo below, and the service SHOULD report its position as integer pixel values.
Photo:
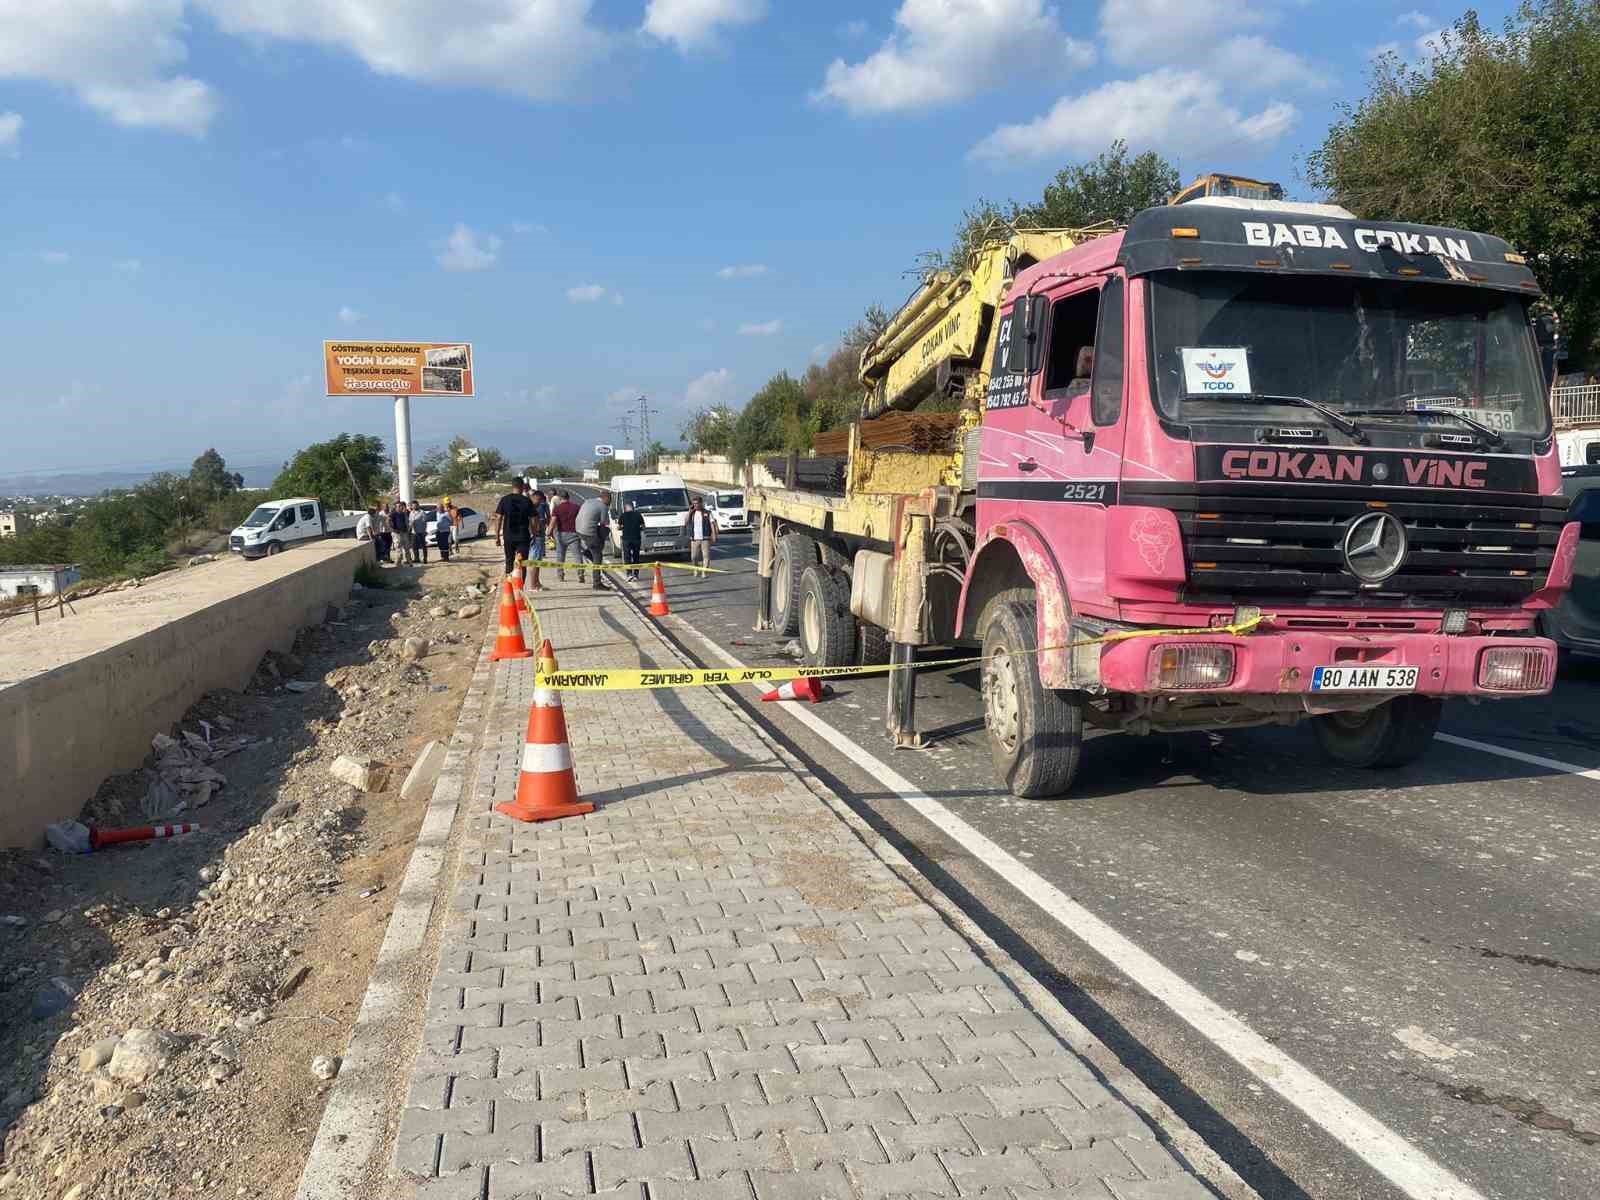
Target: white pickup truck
(278, 524)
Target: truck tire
(1035, 733)
(872, 644)
(827, 630)
(795, 552)
(1390, 735)
(274, 548)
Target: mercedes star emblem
(1374, 546)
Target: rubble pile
(155, 1017)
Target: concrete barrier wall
(714, 468)
(113, 679)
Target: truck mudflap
(1340, 667)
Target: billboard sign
(398, 368)
(624, 455)
(604, 451)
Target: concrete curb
(357, 1120)
(1171, 1129)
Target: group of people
(399, 531)
(526, 525)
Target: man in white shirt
(364, 527)
(702, 531)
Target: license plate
(1364, 679)
(661, 545)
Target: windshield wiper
(1339, 420)
(1490, 434)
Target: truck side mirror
(1025, 339)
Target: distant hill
(92, 483)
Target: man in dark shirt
(565, 518)
(541, 523)
(513, 523)
(632, 524)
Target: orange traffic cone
(508, 643)
(546, 788)
(516, 585)
(658, 595)
(800, 689)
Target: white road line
(757, 561)
(1537, 760)
(1404, 1165)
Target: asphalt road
(1425, 940)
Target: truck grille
(236, 543)
(1261, 543)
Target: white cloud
(1431, 43)
(54, 257)
(542, 49)
(854, 29)
(1417, 20)
(10, 134)
(1383, 48)
(128, 266)
(394, 202)
(821, 351)
(1155, 33)
(1178, 110)
(468, 250)
(761, 329)
(349, 316)
(942, 51)
(124, 58)
(694, 24)
(711, 389)
(120, 58)
(587, 293)
(523, 228)
(743, 271)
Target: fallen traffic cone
(139, 833)
(546, 788)
(508, 642)
(658, 595)
(808, 688)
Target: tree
(709, 430)
(324, 470)
(1112, 187)
(210, 479)
(458, 470)
(1496, 132)
(774, 419)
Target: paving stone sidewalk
(711, 988)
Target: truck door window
(307, 512)
(285, 518)
(1071, 361)
(1106, 404)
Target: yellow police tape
(612, 679)
(545, 564)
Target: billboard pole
(402, 447)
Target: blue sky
(608, 197)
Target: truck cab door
(1052, 455)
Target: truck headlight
(1186, 667)
(1514, 669)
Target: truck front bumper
(1286, 663)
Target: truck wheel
(1390, 735)
(1035, 733)
(794, 554)
(872, 644)
(274, 548)
(827, 630)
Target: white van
(663, 501)
(280, 523)
(728, 509)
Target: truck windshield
(730, 500)
(1225, 341)
(260, 517)
(658, 499)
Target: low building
(13, 523)
(37, 580)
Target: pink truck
(1241, 463)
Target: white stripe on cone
(542, 760)
(546, 698)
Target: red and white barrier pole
(139, 833)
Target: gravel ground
(171, 1013)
